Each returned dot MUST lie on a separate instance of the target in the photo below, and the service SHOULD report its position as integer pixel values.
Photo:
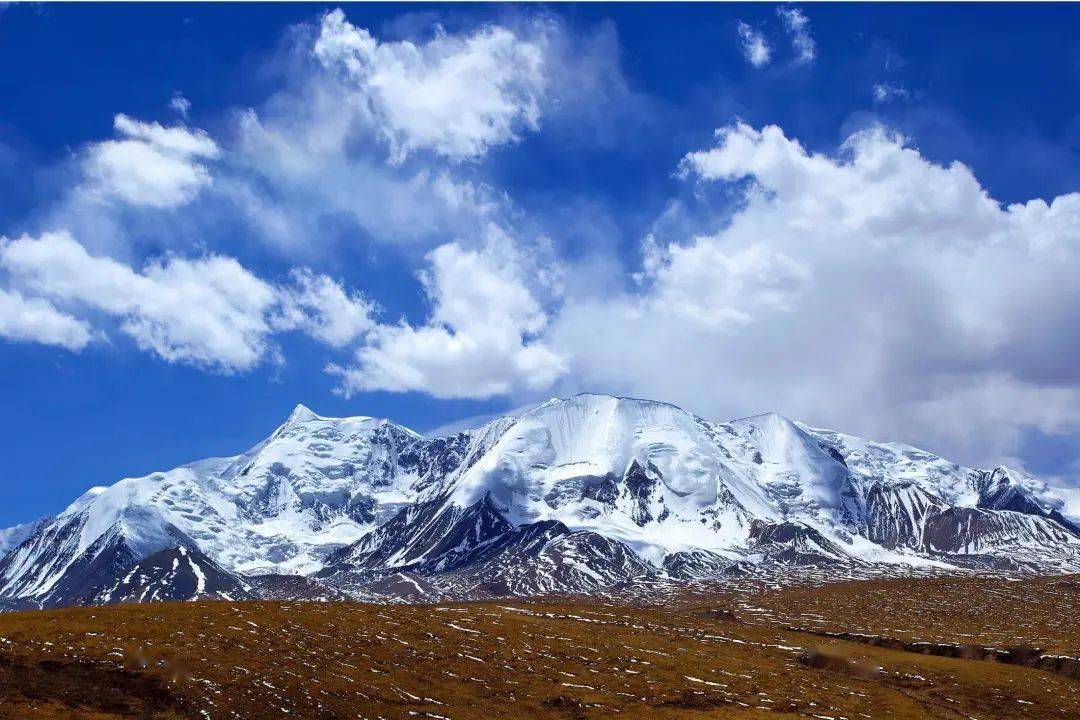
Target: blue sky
(863, 217)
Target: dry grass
(727, 655)
(1000, 612)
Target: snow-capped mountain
(314, 485)
(573, 495)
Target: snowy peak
(1002, 489)
(302, 420)
(550, 462)
(301, 413)
(797, 470)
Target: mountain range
(581, 495)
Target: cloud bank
(207, 311)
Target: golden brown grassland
(730, 654)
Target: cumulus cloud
(716, 287)
(368, 136)
(870, 290)
(457, 96)
(150, 164)
(39, 321)
(365, 141)
(754, 47)
(208, 311)
(323, 309)
(798, 28)
(481, 337)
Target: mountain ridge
(571, 495)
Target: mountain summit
(572, 495)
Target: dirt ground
(731, 654)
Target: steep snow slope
(645, 473)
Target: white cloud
(323, 309)
(717, 288)
(798, 27)
(335, 159)
(151, 165)
(480, 338)
(871, 290)
(180, 104)
(298, 163)
(37, 320)
(754, 47)
(453, 95)
(316, 154)
(208, 311)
